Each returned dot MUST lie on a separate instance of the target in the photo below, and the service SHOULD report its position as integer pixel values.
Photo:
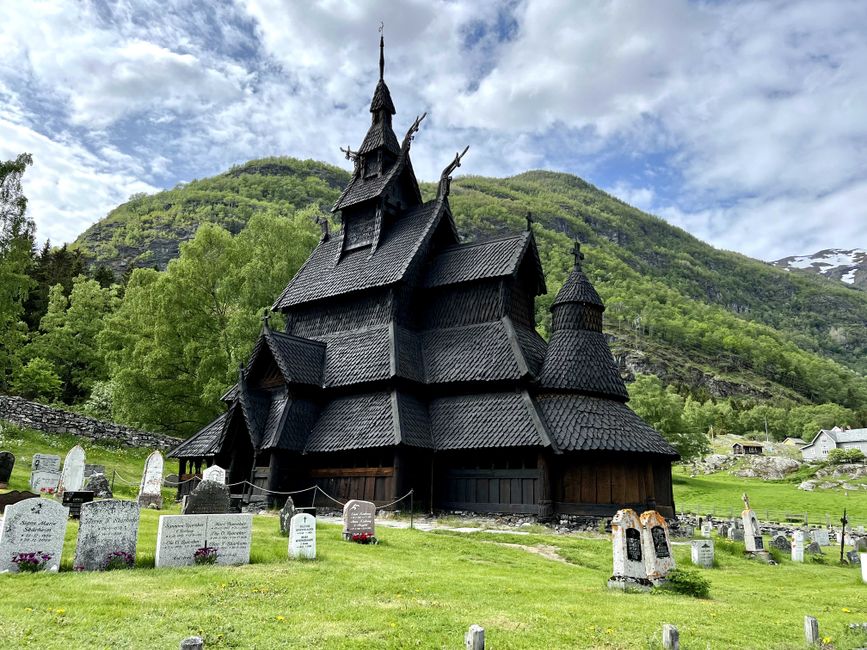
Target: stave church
(410, 361)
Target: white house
(836, 438)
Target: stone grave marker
(44, 473)
(752, 533)
(687, 531)
(150, 487)
(74, 501)
(286, 515)
(863, 557)
(215, 473)
(655, 546)
(171, 480)
(853, 557)
(780, 542)
(90, 470)
(799, 539)
(820, 536)
(7, 462)
(72, 475)
(358, 518)
(179, 537)
(629, 569)
(736, 534)
(33, 526)
(107, 534)
(99, 485)
(302, 537)
(706, 529)
(209, 498)
(702, 553)
(860, 544)
(813, 548)
(48, 462)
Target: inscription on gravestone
(74, 501)
(180, 536)
(702, 553)
(107, 535)
(660, 544)
(358, 518)
(633, 545)
(302, 537)
(7, 462)
(33, 526)
(44, 473)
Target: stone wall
(44, 418)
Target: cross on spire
(530, 220)
(576, 251)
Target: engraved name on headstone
(702, 553)
(820, 536)
(655, 546)
(629, 567)
(33, 526)
(107, 534)
(208, 498)
(44, 472)
(180, 536)
(72, 475)
(215, 473)
(302, 537)
(150, 487)
(358, 518)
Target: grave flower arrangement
(31, 562)
(119, 560)
(46, 490)
(363, 538)
(205, 555)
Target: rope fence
(814, 518)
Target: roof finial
(266, 318)
(576, 251)
(530, 221)
(323, 223)
(381, 50)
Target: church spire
(381, 52)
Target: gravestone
(813, 549)
(171, 480)
(853, 557)
(33, 526)
(215, 473)
(687, 531)
(820, 536)
(99, 485)
(44, 473)
(48, 462)
(302, 537)
(74, 501)
(108, 530)
(629, 568)
(180, 536)
(150, 487)
(723, 530)
(799, 540)
(7, 462)
(736, 534)
(863, 557)
(706, 529)
(286, 515)
(8, 498)
(702, 553)
(655, 546)
(860, 544)
(780, 542)
(358, 518)
(90, 470)
(752, 534)
(209, 498)
(72, 475)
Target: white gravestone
(629, 567)
(108, 530)
(799, 541)
(302, 537)
(655, 546)
(180, 536)
(863, 557)
(820, 536)
(706, 529)
(33, 526)
(72, 476)
(215, 473)
(702, 553)
(44, 472)
(752, 533)
(150, 488)
(358, 518)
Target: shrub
(842, 456)
(686, 582)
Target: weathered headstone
(90, 470)
(286, 515)
(853, 557)
(171, 481)
(358, 518)
(208, 498)
(150, 487)
(799, 539)
(474, 639)
(33, 530)
(180, 537)
(72, 475)
(48, 462)
(215, 473)
(736, 534)
(629, 569)
(302, 537)
(655, 546)
(820, 536)
(813, 548)
(74, 501)
(752, 534)
(192, 643)
(780, 542)
(7, 462)
(107, 535)
(99, 485)
(860, 544)
(706, 529)
(687, 531)
(670, 637)
(44, 473)
(702, 552)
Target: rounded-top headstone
(359, 518)
(7, 462)
(150, 487)
(72, 475)
(302, 537)
(33, 526)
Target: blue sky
(741, 122)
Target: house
(748, 448)
(794, 442)
(836, 438)
(410, 361)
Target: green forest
(146, 317)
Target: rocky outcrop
(767, 467)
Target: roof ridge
(294, 337)
(480, 242)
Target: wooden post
(192, 643)
(670, 637)
(475, 638)
(811, 630)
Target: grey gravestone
(736, 534)
(192, 643)
(286, 515)
(90, 470)
(107, 527)
(358, 518)
(302, 537)
(150, 488)
(861, 544)
(44, 472)
(7, 462)
(820, 536)
(33, 526)
(74, 501)
(702, 553)
(171, 481)
(72, 476)
(208, 498)
(180, 536)
(813, 549)
(853, 557)
(99, 485)
(781, 543)
(687, 531)
(46, 462)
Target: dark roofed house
(411, 360)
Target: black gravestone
(633, 544)
(209, 498)
(7, 462)
(659, 543)
(853, 557)
(760, 544)
(73, 501)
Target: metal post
(412, 509)
(844, 520)
(113, 474)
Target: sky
(740, 122)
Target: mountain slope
(849, 266)
(713, 321)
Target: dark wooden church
(411, 360)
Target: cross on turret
(530, 220)
(576, 251)
(266, 318)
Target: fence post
(670, 637)
(475, 638)
(192, 643)
(811, 630)
(411, 507)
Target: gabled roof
(207, 442)
(300, 360)
(323, 277)
(840, 436)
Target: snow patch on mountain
(849, 266)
